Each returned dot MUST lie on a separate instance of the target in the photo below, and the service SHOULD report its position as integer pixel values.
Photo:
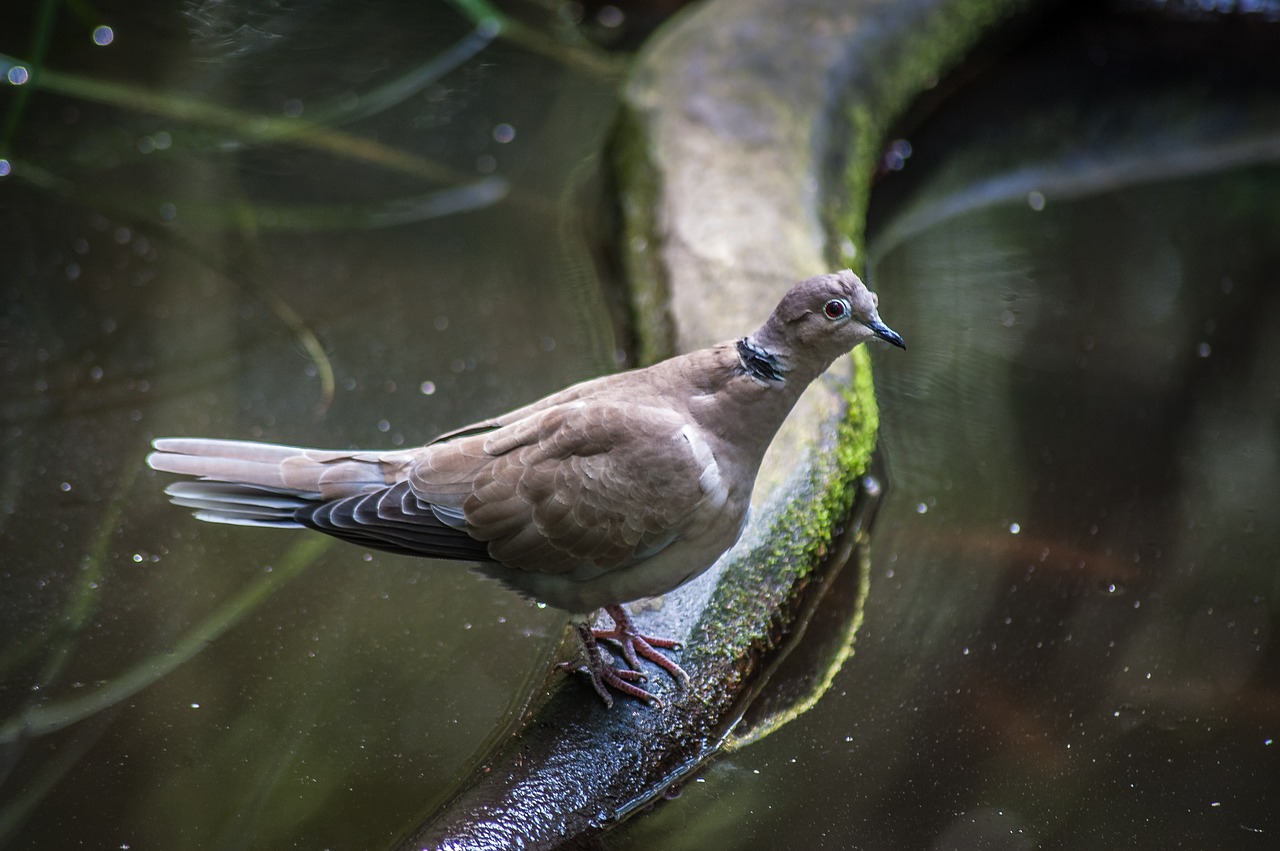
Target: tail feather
(360, 497)
(315, 473)
(241, 504)
(223, 460)
(245, 450)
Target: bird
(615, 489)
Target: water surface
(333, 225)
(1071, 634)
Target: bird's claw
(633, 646)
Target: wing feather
(395, 520)
(571, 485)
(558, 489)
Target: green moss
(639, 194)
(919, 60)
(773, 575)
(759, 596)
(834, 482)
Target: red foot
(633, 646)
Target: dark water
(177, 258)
(1071, 639)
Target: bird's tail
(263, 484)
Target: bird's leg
(634, 644)
(605, 676)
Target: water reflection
(1070, 638)
(1070, 634)
(327, 225)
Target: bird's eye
(837, 308)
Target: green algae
(919, 59)
(767, 590)
(648, 290)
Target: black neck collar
(758, 363)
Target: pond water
(1071, 637)
(331, 225)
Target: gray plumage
(618, 488)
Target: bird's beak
(884, 332)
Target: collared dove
(614, 489)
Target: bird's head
(823, 317)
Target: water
(1071, 634)
(1069, 640)
(178, 258)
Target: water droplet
(103, 35)
(896, 154)
(610, 16)
(1035, 200)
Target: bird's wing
(394, 519)
(604, 484)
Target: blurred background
(341, 224)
